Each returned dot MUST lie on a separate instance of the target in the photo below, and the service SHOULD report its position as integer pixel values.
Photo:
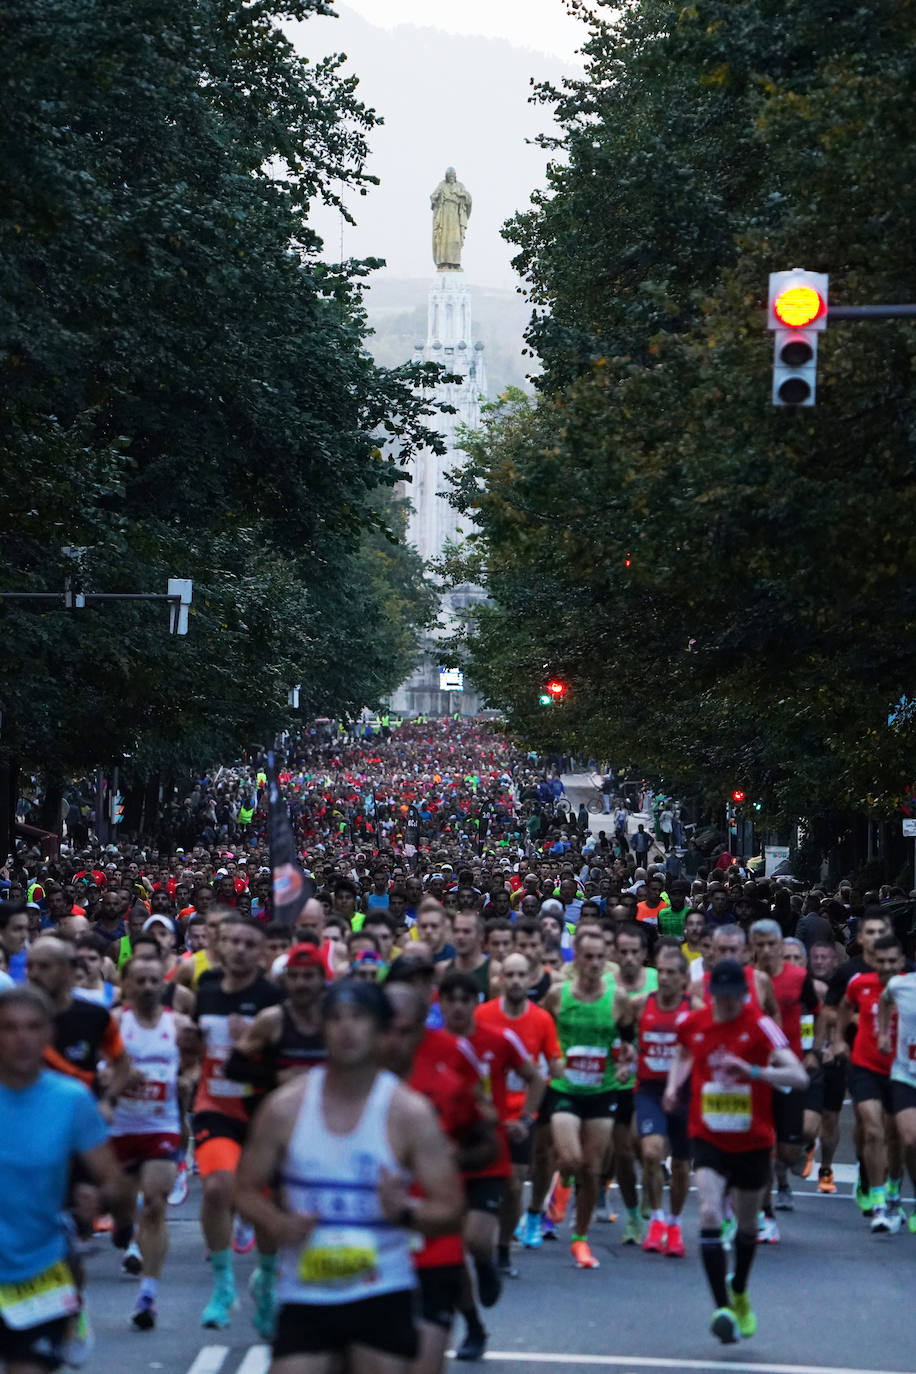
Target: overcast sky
(452, 82)
(541, 24)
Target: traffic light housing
(797, 313)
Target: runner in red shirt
(440, 1262)
(798, 1002)
(869, 1076)
(662, 1013)
(498, 1052)
(733, 1057)
(538, 1033)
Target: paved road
(829, 1297)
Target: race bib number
(726, 1108)
(219, 1085)
(44, 1298)
(338, 1257)
(586, 1066)
(807, 1030)
(658, 1050)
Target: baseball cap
(727, 979)
(162, 920)
(304, 955)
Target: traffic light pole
(871, 312)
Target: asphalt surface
(829, 1297)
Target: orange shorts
(216, 1154)
(218, 1142)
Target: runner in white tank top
(146, 1124)
(345, 1141)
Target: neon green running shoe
(724, 1324)
(741, 1306)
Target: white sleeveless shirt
(151, 1108)
(353, 1252)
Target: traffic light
(544, 699)
(738, 796)
(556, 688)
(797, 313)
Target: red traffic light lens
(737, 795)
(556, 688)
(798, 306)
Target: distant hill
(397, 312)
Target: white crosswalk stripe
(211, 1359)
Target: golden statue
(451, 204)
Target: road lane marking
(645, 1362)
(256, 1361)
(209, 1359)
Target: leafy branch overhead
(728, 588)
(186, 388)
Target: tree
(185, 384)
(722, 584)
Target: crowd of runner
(489, 1012)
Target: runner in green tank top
(593, 1017)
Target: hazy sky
(453, 90)
(540, 24)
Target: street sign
(776, 854)
(451, 680)
(909, 828)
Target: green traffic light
(545, 699)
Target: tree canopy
(727, 587)
(186, 389)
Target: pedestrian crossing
(223, 1359)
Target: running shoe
(583, 1256)
(724, 1324)
(741, 1306)
(530, 1226)
(506, 1268)
(132, 1263)
(729, 1229)
(784, 1200)
(473, 1345)
(145, 1314)
(656, 1236)
(242, 1236)
(223, 1302)
(911, 1223)
(886, 1222)
(261, 1288)
(804, 1164)
(604, 1212)
(633, 1232)
(558, 1200)
(895, 1217)
(767, 1230)
(674, 1241)
(180, 1187)
(863, 1198)
(548, 1228)
(80, 1340)
(825, 1182)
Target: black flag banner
(291, 887)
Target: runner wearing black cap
(733, 1056)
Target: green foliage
(764, 627)
(185, 386)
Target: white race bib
(726, 1107)
(586, 1065)
(44, 1298)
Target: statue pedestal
(433, 522)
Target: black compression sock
(714, 1263)
(745, 1249)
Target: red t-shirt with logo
(658, 1039)
(795, 996)
(537, 1031)
(864, 993)
(495, 1053)
(730, 1111)
(453, 1099)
